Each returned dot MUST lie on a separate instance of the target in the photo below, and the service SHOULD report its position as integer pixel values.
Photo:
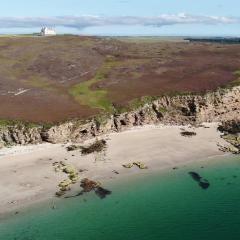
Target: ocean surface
(166, 205)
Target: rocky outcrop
(20, 135)
(230, 127)
(219, 106)
(231, 134)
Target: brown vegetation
(54, 79)
(97, 146)
(188, 134)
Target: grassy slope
(14, 65)
(83, 93)
(237, 81)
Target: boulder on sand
(128, 165)
(65, 183)
(140, 165)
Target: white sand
(27, 174)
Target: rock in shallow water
(203, 183)
(102, 192)
(90, 185)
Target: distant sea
(166, 205)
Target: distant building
(48, 32)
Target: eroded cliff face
(220, 106)
(19, 135)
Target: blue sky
(123, 17)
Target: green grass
(162, 109)
(140, 102)
(236, 82)
(83, 93)
(23, 123)
(102, 119)
(6, 123)
(9, 123)
(237, 73)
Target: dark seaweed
(99, 191)
(195, 176)
(188, 134)
(97, 146)
(102, 193)
(203, 183)
(77, 195)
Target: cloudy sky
(123, 17)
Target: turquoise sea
(166, 205)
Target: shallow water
(165, 205)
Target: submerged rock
(203, 183)
(102, 192)
(90, 185)
(195, 176)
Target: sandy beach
(28, 176)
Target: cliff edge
(222, 105)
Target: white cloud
(80, 22)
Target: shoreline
(28, 177)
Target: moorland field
(53, 79)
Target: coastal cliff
(222, 105)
